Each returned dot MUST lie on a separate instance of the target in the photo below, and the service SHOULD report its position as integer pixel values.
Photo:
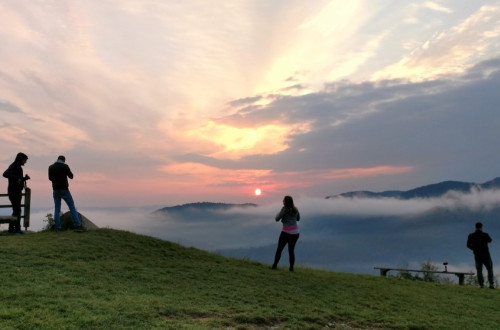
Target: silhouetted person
(15, 189)
(289, 215)
(59, 173)
(478, 243)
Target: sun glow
(235, 142)
(257, 192)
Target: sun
(257, 192)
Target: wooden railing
(26, 206)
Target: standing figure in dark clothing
(15, 189)
(289, 215)
(478, 243)
(59, 173)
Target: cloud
(476, 201)
(345, 113)
(371, 134)
(364, 133)
(245, 101)
(236, 142)
(8, 107)
(451, 51)
(127, 89)
(437, 7)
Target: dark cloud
(446, 129)
(9, 107)
(245, 101)
(296, 87)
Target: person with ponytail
(289, 216)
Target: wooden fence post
(27, 207)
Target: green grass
(109, 279)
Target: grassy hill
(109, 279)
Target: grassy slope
(115, 279)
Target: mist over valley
(351, 232)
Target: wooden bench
(460, 275)
(26, 206)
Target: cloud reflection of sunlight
(237, 142)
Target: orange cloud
(225, 141)
(234, 142)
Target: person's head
(61, 158)
(21, 158)
(288, 202)
(479, 226)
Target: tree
(430, 277)
(50, 222)
(404, 274)
(427, 276)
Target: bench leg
(460, 279)
(383, 272)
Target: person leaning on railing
(17, 181)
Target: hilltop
(114, 279)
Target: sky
(168, 102)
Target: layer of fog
(347, 234)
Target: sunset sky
(171, 102)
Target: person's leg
(15, 200)
(479, 270)
(292, 240)
(281, 245)
(12, 227)
(489, 267)
(71, 205)
(12, 200)
(57, 209)
(17, 226)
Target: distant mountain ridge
(202, 206)
(428, 191)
